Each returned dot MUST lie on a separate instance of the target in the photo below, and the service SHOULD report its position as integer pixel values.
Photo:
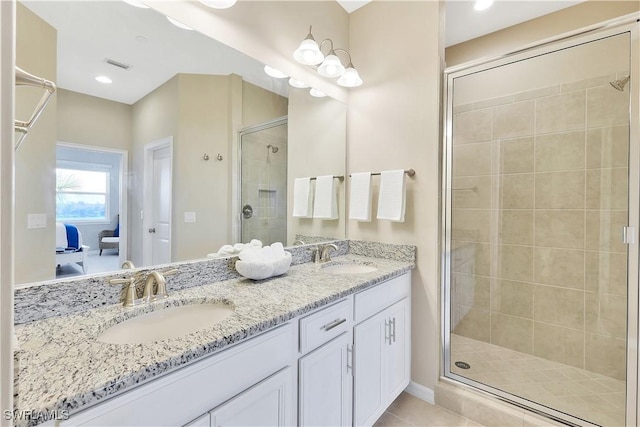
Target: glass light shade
(482, 4)
(308, 53)
(274, 73)
(179, 24)
(350, 78)
(218, 4)
(331, 67)
(317, 93)
(297, 83)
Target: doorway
(156, 221)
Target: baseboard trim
(421, 392)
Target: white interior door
(157, 209)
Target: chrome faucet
(127, 264)
(325, 255)
(161, 285)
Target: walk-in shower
(540, 266)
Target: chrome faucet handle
(325, 256)
(130, 297)
(316, 254)
(299, 242)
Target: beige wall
(260, 106)
(317, 146)
(35, 53)
(393, 123)
(88, 120)
(566, 20)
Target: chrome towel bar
(26, 79)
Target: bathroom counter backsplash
(60, 365)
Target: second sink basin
(349, 269)
(171, 322)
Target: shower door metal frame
(627, 24)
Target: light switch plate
(189, 217)
(36, 221)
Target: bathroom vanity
(313, 347)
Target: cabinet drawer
(324, 325)
(371, 301)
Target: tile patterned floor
(593, 397)
(408, 410)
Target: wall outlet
(36, 221)
(189, 217)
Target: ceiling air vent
(117, 64)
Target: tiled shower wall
(539, 202)
(264, 185)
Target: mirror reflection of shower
(620, 83)
(273, 148)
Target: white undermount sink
(170, 322)
(349, 269)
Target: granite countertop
(60, 365)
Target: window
(82, 195)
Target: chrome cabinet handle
(333, 324)
(152, 230)
(393, 333)
(350, 358)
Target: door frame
(626, 24)
(123, 196)
(147, 203)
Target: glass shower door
(538, 202)
(263, 154)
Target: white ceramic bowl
(282, 265)
(264, 270)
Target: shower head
(620, 83)
(273, 148)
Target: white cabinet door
(268, 403)
(398, 351)
(325, 384)
(381, 360)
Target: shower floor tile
(584, 394)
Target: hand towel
(391, 199)
(326, 200)
(360, 197)
(302, 198)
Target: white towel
(326, 200)
(360, 197)
(391, 200)
(302, 198)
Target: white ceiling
(91, 31)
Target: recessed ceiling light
(104, 79)
(317, 93)
(179, 24)
(218, 4)
(297, 83)
(482, 4)
(274, 73)
(136, 3)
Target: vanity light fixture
(218, 4)
(310, 53)
(179, 24)
(277, 74)
(104, 79)
(298, 83)
(317, 93)
(482, 4)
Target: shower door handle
(247, 211)
(628, 235)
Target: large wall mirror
(164, 160)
